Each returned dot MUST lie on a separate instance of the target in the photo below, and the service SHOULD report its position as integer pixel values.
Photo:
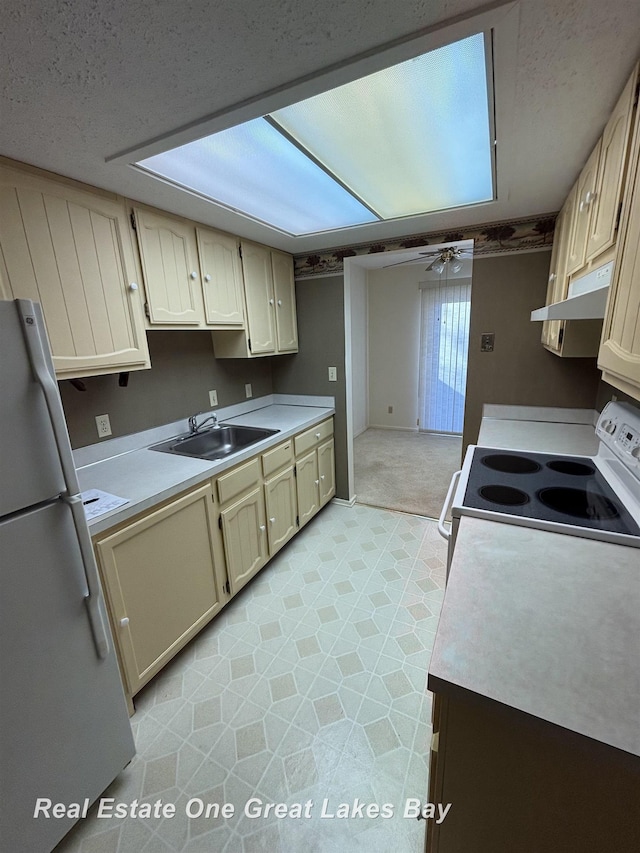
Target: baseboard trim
(342, 502)
(396, 428)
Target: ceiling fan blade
(410, 260)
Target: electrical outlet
(487, 342)
(390, 410)
(247, 390)
(213, 398)
(333, 374)
(103, 425)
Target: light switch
(333, 374)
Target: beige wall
(394, 346)
(519, 371)
(183, 371)
(320, 306)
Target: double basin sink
(215, 443)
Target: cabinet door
(71, 251)
(282, 506)
(285, 296)
(170, 267)
(619, 356)
(326, 472)
(221, 278)
(245, 538)
(258, 288)
(586, 188)
(557, 288)
(162, 582)
(606, 200)
(307, 487)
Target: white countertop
(147, 477)
(545, 623)
(534, 428)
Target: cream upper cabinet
(163, 579)
(70, 249)
(169, 256)
(270, 305)
(585, 191)
(285, 302)
(221, 278)
(605, 202)
(259, 296)
(619, 357)
(600, 186)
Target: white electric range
(596, 497)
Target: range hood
(586, 300)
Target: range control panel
(619, 428)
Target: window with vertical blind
(444, 348)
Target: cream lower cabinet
(70, 249)
(164, 580)
(280, 495)
(315, 480)
(243, 522)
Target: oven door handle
(442, 530)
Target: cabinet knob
(552, 277)
(271, 302)
(583, 204)
(194, 274)
(124, 622)
(317, 482)
(263, 527)
(207, 277)
(322, 476)
(272, 520)
(317, 435)
(279, 301)
(133, 286)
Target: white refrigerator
(64, 726)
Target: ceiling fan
(441, 258)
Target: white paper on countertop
(97, 502)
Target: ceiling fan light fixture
(438, 266)
(456, 266)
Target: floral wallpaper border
(497, 237)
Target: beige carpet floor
(405, 471)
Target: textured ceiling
(84, 79)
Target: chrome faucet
(195, 427)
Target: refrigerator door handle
(35, 338)
(92, 600)
(33, 335)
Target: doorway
(385, 366)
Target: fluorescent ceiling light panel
(411, 139)
(408, 140)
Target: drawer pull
(317, 435)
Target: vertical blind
(444, 347)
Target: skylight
(408, 140)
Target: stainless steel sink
(215, 443)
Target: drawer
(240, 480)
(310, 437)
(277, 458)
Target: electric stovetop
(554, 489)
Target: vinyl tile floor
(309, 686)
